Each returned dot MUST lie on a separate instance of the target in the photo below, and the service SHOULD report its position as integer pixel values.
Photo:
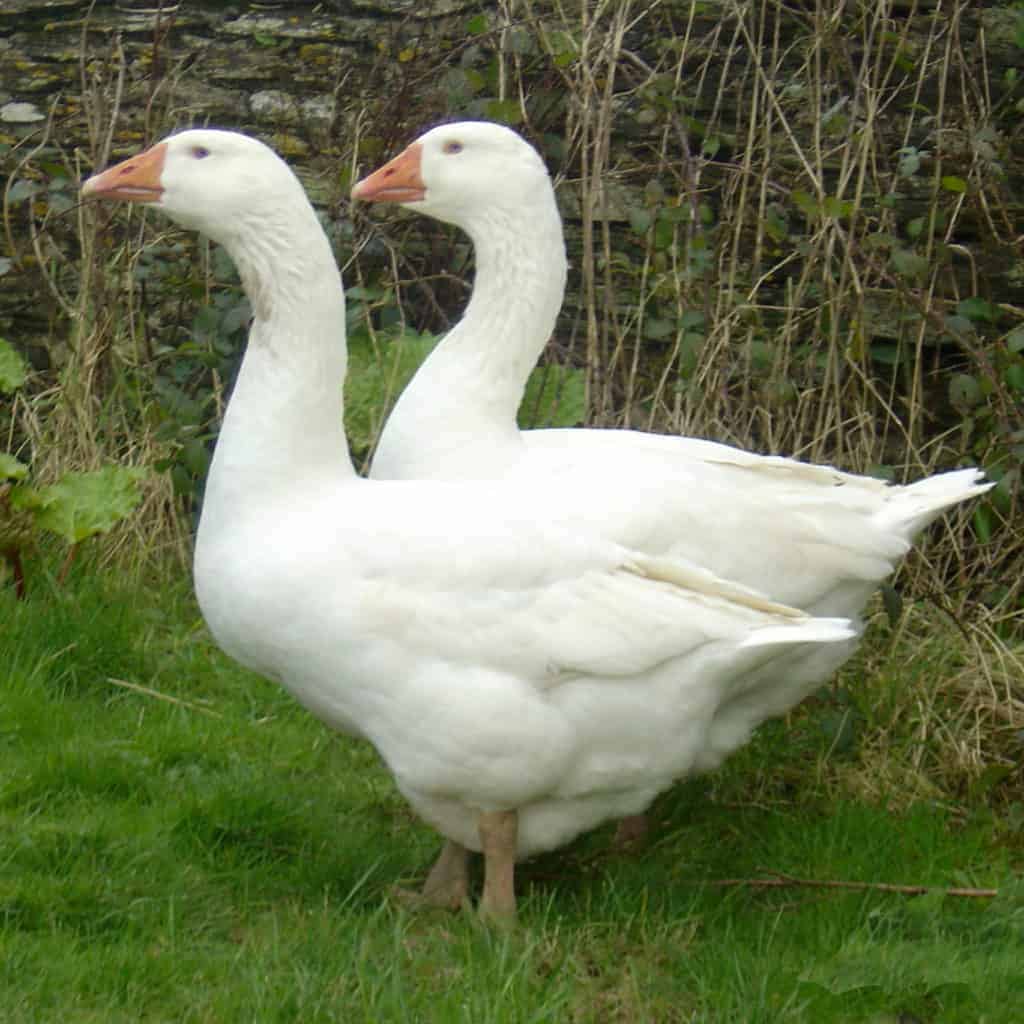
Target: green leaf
(915, 227)
(690, 346)
(885, 352)
(762, 354)
(664, 234)
(477, 25)
(80, 505)
(806, 204)
(909, 162)
(893, 604)
(657, 329)
(879, 240)
(520, 41)
(13, 369)
(907, 263)
(11, 468)
(60, 203)
(711, 146)
(23, 190)
(958, 326)
(505, 111)
(639, 219)
(555, 396)
(775, 223)
(1015, 340)
(654, 192)
(977, 309)
(1015, 376)
(964, 391)
(837, 208)
(195, 457)
(951, 183)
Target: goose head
(459, 172)
(217, 182)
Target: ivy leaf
(964, 391)
(555, 396)
(639, 220)
(1015, 340)
(80, 505)
(505, 111)
(951, 183)
(976, 309)
(805, 203)
(892, 603)
(658, 329)
(13, 369)
(909, 162)
(11, 468)
(838, 208)
(907, 263)
(711, 146)
(958, 326)
(23, 190)
(775, 223)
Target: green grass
(223, 857)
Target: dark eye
(200, 152)
(452, 147)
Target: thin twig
(781, 881)
(138, 688)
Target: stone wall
(82, 84)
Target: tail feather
(914, 506)
(810, 631)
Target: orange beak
(136, 180)
(398, 181)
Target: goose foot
(447, 885)
(498, 834)
(630, 832)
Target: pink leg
(498, 833)
(447, 885)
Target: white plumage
(807, 535)
(524, 672)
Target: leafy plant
(75, 507)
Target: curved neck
(284, 420)
(470, 387)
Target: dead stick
(788, 881)
(62, 575)
(139, 688)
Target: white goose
(523, 674)
(809, 536)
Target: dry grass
(733, 172)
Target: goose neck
(519, 284)
(284, 422)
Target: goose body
(524, 673)
(807, 535)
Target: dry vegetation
(792, 228)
